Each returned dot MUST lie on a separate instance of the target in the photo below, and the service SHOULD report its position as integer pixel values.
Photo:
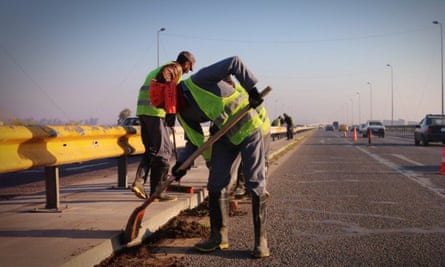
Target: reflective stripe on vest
(221, 109)
(265, 127)
(262, 112)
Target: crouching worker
(205, 97)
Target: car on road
(329, 128)
(376, 127)
(343, 128)
(361, 128)
(354, 126)
(430, 129)
(131, 121)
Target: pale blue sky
(74, 60)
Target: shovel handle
(188, 162)
(133, 224)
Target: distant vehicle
(329, 128)
(335, 125)
(362, 128)
(354, 126)
(131, 121)
(430, 129)
(377, 128)
(343, 128)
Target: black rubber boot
(141, 177)
(259, 222)
(218, 211)
(158, 176)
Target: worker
(205, 97)
(154, 133)
(289, 126)
(237, 173)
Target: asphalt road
(335, 202)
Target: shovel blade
(133, 225)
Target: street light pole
(359, 120)
(392, 94)
(370, 98)
(441, 54)
(160, 30)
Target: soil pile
(190, 224)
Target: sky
(326, 60)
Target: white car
(362, 128)
(377, 128)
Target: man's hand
(170, 119)
(178, 174)
(254, 98)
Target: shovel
(135, 220)
(179, 187)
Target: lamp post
(359, 120)
(370, 99)
(441, 54)
(392, 94)
(160, 30)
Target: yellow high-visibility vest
(221, 110)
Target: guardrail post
(122, 166)
(52, 187)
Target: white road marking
(408, 160)
(416, 177)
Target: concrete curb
(150, 225)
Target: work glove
(170, 119)
(254, 98)
(178, 174)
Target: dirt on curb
(167, 245)
(162, 247)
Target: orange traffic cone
(354, 135)
(442, 165)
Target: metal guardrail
(277, 132)
(27, 147)
(402, 130)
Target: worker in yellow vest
(238, 178)
(154, 133)
(205, 97)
